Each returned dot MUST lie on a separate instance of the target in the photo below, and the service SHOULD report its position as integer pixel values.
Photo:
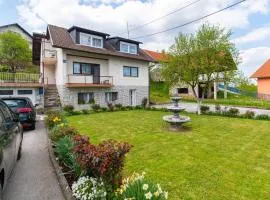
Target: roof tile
(263, 71)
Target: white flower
(166, 195)
(148, 195)
(145, 186)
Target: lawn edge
(62, 181)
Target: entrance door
(132, 97)
(95, 71)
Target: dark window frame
(91, 65)
(91, 94)
(12, 93)
(130, 71)
(183, 90)
(114, 98)
(18, 92)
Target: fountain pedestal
(176, 120)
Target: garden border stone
(66, 190)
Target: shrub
(118, 106)
(96, 107)
(104, 109)
(53, 118)
(249, 114)
(138, 107)
(62, 130)
(262, 117)
(137, 187)
(144, 102)
(205, 109)
(232, 112)
(110, 107)
(85, 112)
(68, 108)
(105, 160)
(89, 189)
(63, 149)
(218, 108)
(40, 110)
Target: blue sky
(249, 22)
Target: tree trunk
(225, 91)
(197, 99)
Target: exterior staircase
(51, 97)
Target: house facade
(263, 80)
(21, 84)
(83, 66)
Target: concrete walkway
(192, 107)
(33, 177)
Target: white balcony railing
(88, 80)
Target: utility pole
(127, 30)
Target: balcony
(49, 57)
(20, 80)
(82, 80)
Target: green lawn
(217, 159)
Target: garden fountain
(176, 120)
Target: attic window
(128, 48)
(91, 40)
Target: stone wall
(69, 96)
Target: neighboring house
(263, 80)
(20, 84)
(80, 66)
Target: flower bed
(95, 171)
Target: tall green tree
(205, 57)
(15, 52)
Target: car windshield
(16, 103)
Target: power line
(190, 22)
(161, 17)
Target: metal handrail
(8, 77)
(95, 79)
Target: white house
(81, 65)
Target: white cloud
(255, 35)
(253, 58)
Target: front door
(132, 97)
(95, 71)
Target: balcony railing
(49, 56)
(20, 79)
(82, 80)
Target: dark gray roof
(125, 40)
(87, 31)
(61, 38)
(20, 27)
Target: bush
(118, 106)
(63, 149)
(104, 109)
(232, 112)
(40, 110)
(69, 109)
(85, 112)
(137, 187)
(138, 107)
(60, 131)
(205, 109)
(89, 189)
(249, 114)
(144, 102)
(110, 107)
(96, 107)
(105, 160)
(262, 117)
(53, 119)
(218, 108)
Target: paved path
(192, 107)
(33, 177)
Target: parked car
(25, 108)
(11, 135)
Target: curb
(66, 190)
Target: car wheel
(19, 155)
(33, 126)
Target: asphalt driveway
(33, 177)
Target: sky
(248, 21)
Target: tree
(15, 52)
(205, 57)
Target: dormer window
(126, 47)
(91, 40)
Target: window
(85, 68)
(182, 90)
(6, 92)
(85, 98)
(91, 40)
(111, 96)
(23, 92)
(128, 48)
(131, 71)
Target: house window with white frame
(128, 48)
(85, 97)
(91, 40)
(111, 96)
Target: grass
(159, 92)
(219, 158)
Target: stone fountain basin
(174, 108)
(176, 120)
